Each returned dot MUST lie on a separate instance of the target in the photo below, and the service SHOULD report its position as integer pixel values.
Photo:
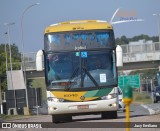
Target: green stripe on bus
(98, 93)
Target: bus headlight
(54, 99)
(110, 96)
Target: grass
(10, 117)
(141, 98)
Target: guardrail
(141, 52)
(30, 61)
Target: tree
(16, 60)
(140, 37)
(118, 41)
(122, 41)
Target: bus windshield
(79, 40)
(85, 69)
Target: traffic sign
(133, 81)
(84, 54)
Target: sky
(50, 12)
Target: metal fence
(141, 52)
(30, 61)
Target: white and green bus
(80, 63)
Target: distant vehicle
(121, 103)
(156, 94)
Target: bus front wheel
(61, 118)
(109, 115)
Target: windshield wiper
(74, 74)
(90, 76)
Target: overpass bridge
(135, 57)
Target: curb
(152, 108)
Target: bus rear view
(80, 63)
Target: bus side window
(51, 73)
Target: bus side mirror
(119, 56)
(39, 60)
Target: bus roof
(78, 25)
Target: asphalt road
(94, 122)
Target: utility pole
(158, 24)
(26, 109)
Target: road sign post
(127, 98)
(132, 81)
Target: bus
(80, 64)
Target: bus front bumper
(82, 107)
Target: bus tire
(61, 118)
(109, 115)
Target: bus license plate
(83, 106)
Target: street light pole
(22, 38)
(6, 51)
(158, 23)
(22, 55)
(10, 53)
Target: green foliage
(122, 41)
(12, 117)
(142, 98)
(140, 37)
(16, 59)
(138, 97)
